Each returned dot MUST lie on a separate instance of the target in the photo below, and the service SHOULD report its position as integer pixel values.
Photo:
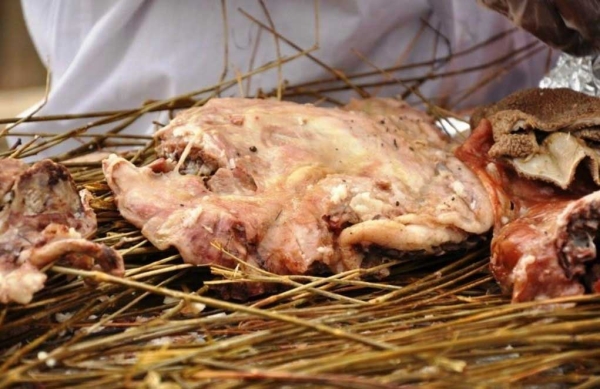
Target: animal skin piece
(546, 134)
(43, 219)
(298, 189)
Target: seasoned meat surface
(44, 219)
(298, 189)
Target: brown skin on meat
(546, 134)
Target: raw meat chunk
(544, 242)
(298, 189)
(42, 220)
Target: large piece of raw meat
(296, 189)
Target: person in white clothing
(116, 54)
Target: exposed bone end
(576, 238)
(551, 251)
(557, 161)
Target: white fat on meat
(297, 189)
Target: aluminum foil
(578, 73)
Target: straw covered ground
(439, 323)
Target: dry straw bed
(438, 323)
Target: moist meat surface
(42, 220)
(544, 236)
(299, 189)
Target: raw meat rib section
(298, 189)
(544, 242)
(42, 220)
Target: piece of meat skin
(546, 134)
(43, 219)
(297, 189)
(536, 250)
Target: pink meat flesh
(545, 238)
(298, 189)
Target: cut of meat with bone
(544, 236)
(298, 189)
(42, 220)
(550, 251)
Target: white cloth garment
(116, 54)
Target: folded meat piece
(546, 133)
(298, 189)
(544, 242)
(42, 220)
